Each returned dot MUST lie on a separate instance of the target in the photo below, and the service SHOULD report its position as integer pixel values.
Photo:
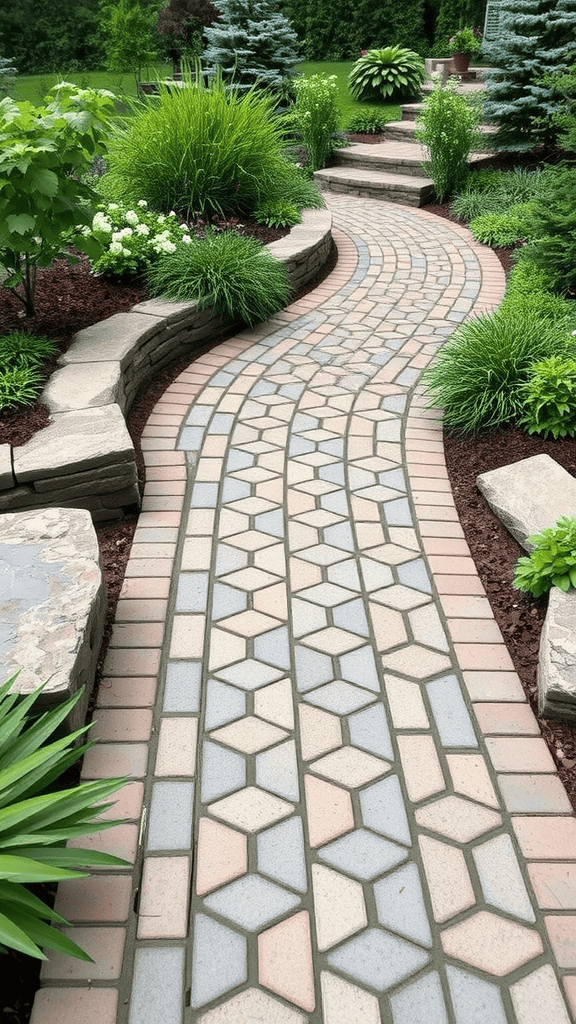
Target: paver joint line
(339, 744)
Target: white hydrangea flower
(116, 248)
(172, 213)
(142, 229)
(183, 226)
(131, 217)
(142, 203)
(126, 232)
(113, 206)
(101, 223)
(161, 218)
(186, 239)
(126, 252)
(116, 236)
(165, 246)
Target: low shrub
(316, 116)
(476, 377)
(552, 563)
(502, 229)
(549, 397)
(448, 127)
(393, 72)
(131, 239)
(197, 150)
(277, 213)
(230, 273)
(366, 122)
(37, 820)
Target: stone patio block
(73, 442)
(82, 386)
(52, 603)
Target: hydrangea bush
(133, 238)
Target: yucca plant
(391, 73)
(36, 821)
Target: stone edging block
(85, 457)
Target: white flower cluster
(131, 238)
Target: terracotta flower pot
(460, 63)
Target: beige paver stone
(250, 623)
(303, 574)
(388, 625)
(254, 1006)
(187, 640)
(400, 597)
(196, 553)
(273, 600)
(329, 811)
(470, 777)
(271, 559)
(163, 910)
(350, 767)
(344, 1003)
(406, 704)
(221, 855)
(177, 747)
(251, 540)
(339, 906)
(457, 819)
(231, 523)
(275, 703)
(334, 640)
(422, 769)
(416, 661)
(538, 997)
(285, 961)
(225, 648)
(320, 731)
(200, 522)
(492, 943)
(249, 735)
(448, 880)
(251, 809)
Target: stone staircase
(390, 170)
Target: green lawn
(35, 87)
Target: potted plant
(463, 45)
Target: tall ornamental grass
(448, 128)
(478, 375)
(197, 150)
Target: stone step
(410, 189)
(405, 131)
(394, 157)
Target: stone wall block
(82, 386)
(6, 474)
(557, 662)
(76, 441)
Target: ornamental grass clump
(37, 820)
(390, 73)
(21, 358)
(448, 127)
(477, 377)
(198, 150)
(232, 274)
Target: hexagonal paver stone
(52, 603)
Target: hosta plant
(390, 73)
(552, 563)
(550, 398)
(37, 820)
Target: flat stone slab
(557, 662)
(73, 442)
(529, 495)
(52, 603)
(83, 385)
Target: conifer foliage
(536, 38)
(252, 43)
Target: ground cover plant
(37, 820)
(448, 128)
(21, 359)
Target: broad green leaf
(44, 180)
(20, 223)
(16, 938)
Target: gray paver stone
(557, 662)
(529, 495)
(52, 603)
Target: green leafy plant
(491, 191)
(230, 273)
(554, 219)
(129, 36)
(390, 73)
(501, 229)
(196, 150)
(316, 116)
(448, 127)
(43, 153)
(36, 820)
(549, 397)
(476, 377)
(366, 122)
(276, 213)
(132, 239)
(20, 349)
(552, 563)
(465, 40)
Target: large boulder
(52, 603)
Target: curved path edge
(399, 850)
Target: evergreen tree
(537, 38)
(252, 42)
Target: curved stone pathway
(350, 815)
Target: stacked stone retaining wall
(85, 457)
